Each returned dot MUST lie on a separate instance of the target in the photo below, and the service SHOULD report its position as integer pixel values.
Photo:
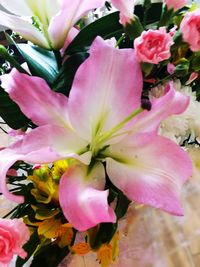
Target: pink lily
(101, 121)
(44, 22)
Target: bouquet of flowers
(102, 106)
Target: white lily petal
(23, 28)
(21, 8)
(70, 12)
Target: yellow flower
(81, 248)
(46, 180)
(59, 168)
(104, 255)
(53, 228)
(66, 237)
(108, 253)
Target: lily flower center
(99, 140)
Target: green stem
(120, 125)
(166, 17)
(147, 5)
(119, 41)
(162, 81)
(3, 130)
(10, 212)
(6, 56)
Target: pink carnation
(175, 4)
(153, 46)
(13, 235)
(190, 28)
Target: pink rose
(190, 28)
(13, 235)
(153, 46)
(175, 4)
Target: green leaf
(112, 195)
(109, 26)
(11, 113)
(29, 247)
(25, 191)
(41, 62)
(104, 235)
(147, 3)
(49, 256)
(106, 27)
(64, 80)
(196, 62)
(166, 16)
(23, 210)
(182, 68)
(122, 205)
(134, 29)
(42, 214)
(153, 14)
(7, 57)
(147, 68)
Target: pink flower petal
(153, 46)
(36, 100)
(57, 141)
(23, 28)
(70, 13)
(193, 77)
(150, 169)
(71, 35)
(44, 144)
(110, 92)
(171, 68)
(126, 8)
(13, 235)
(173, 102)
(83, 203)
(8, 158)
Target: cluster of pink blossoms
(153, 46)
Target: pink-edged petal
(22, 236)
(44, 144)
(82, 199)
(71, 35)
(24, 28)
(70, 13)
(126, 8)
(171, 103)
(8, 158)
(150, 169)
(62, 141)
(36, 100)
(110, 92)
